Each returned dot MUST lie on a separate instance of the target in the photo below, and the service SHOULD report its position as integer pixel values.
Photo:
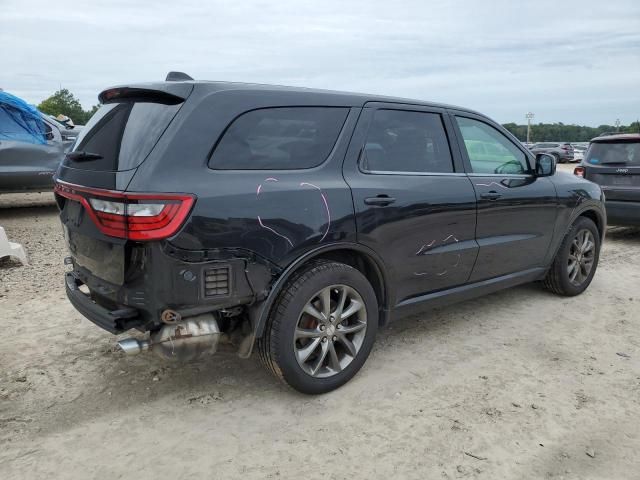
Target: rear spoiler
(168, 93)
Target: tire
(557, 157)
(292, 332)
(559, 277)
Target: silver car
(31, 149)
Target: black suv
(298, 220)
(613, 161)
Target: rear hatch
(101, 220)
(614, 164)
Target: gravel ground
(519, 384)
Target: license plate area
(102, 259)
(622, 180)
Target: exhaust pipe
(185, 340)
(133, 346)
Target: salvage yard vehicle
(561, 151)
(31, 147)
(299, 221)
(613, 162)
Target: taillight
(134, 216)
(579, 172)
(566, 148)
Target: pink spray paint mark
(273, 231)
(326, 206)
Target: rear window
(123, 134)
(279, 138)
(627, 153)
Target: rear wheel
(557, 157)
(322, 328)
(576, 261)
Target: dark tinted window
(489, 150)
(627, 153)
(279, 138)
(403, 141)
(123, 133)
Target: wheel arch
(358, 256)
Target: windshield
(627, 153)
(122, 134)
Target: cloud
(574, 61)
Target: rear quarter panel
(277, 214)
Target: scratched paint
(428, 246)
(492, 183)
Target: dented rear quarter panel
(277, 214)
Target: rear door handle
(490, 195)
(380, 200)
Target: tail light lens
(133, 216)
(579, 172)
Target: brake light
(579, 172)
(566, 148)
(133, 216)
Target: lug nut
(335, 338)
(322, 327)
(324, 339)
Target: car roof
(349, 98)
(625, 137)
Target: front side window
(279, 138)
(405, 141)
(489, 151)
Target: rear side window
(489, 151)
(123, 134)
(280, 138)
(627, 153)
(405, 141)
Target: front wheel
(322, 328)
(576, 261)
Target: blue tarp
(20, 121)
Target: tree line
(65, 103)
(548, 132)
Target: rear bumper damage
(187, 301)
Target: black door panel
(515, 230)
(516, 210)
(422, 224)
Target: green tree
(63, 102)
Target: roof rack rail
(177, 77)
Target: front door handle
(492, 195)
(380, 200)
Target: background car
(68, 131)
(613, 162)
(579, 151)
(31, 147)
(561, 151)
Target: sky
(576, 62)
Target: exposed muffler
(184, 341)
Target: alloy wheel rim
(581, 257)
(330, 331)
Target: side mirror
(545, 165)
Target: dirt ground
(519, 384)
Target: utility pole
(617, 125)
(529, 117)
